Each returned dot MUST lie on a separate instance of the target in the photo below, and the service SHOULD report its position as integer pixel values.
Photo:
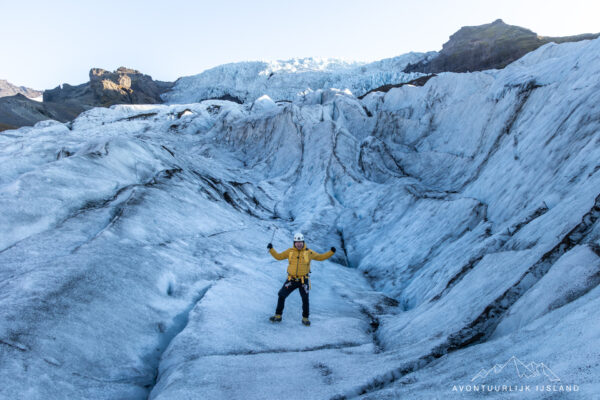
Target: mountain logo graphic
(531, 370)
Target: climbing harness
(303, 279)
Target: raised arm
(279, 256)
(321, 257)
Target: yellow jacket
(299, 259)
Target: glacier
(465, 212)
(286, 80)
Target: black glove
(269, 246)
(333, 249)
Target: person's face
(299, 245)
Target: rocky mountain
(465, 213)
(105, 88)
(123, 86)
(8, 89)
(495, 45)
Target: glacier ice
(133, 248)
(285, 80)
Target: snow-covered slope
(465, 213)
(285, 80)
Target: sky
(47, 43)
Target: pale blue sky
(45, 43)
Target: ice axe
(275, 230)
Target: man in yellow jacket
(298, 271)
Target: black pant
(287, 288)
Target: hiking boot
(275, 318)
(305, 321)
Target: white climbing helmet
(298, 237)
